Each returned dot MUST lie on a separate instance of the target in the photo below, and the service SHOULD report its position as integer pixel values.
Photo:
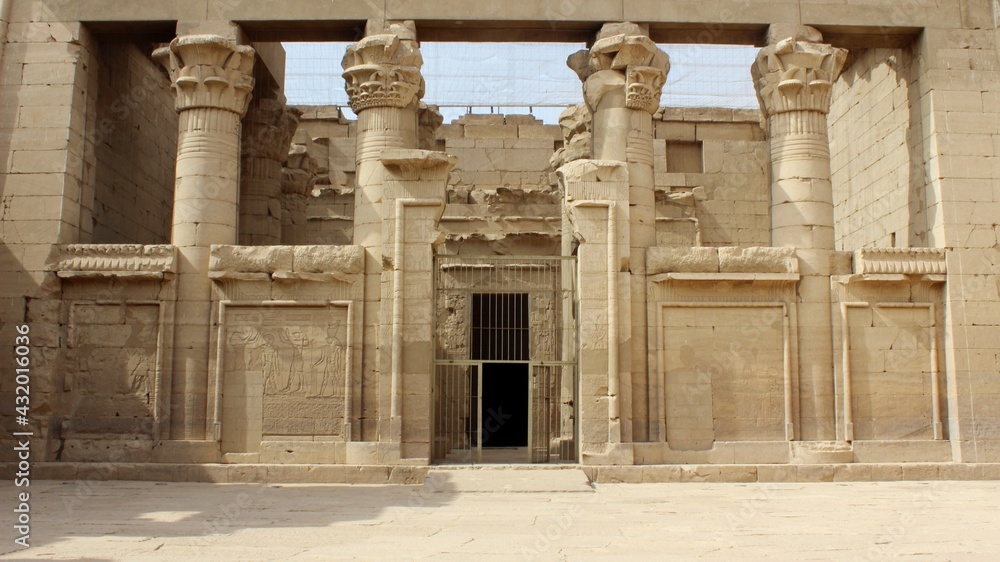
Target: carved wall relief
(112, 366)
(295, 357)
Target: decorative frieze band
(907, 261)
(114, 259)
(283, 259)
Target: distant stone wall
(711, 175)
(135, 143)
(710, 172)
(870, 156)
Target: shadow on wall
(16, 285)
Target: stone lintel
(751, 263)
(228, 259)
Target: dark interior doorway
(505, 405)
(500, 332)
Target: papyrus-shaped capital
(794, 75)
(209, 71)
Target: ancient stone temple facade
(220, 286)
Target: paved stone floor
(452, 519)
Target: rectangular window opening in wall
(684, 157)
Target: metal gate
(505, 384)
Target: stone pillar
(298, 178)
(213, 80)
(267, 133)
(794, 77)
(623, 76)
(416, 184)
(382, 75)
(597, 216)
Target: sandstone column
(382, 75)
(794, 76)
(623, 76)
(267, 134)
(213, 80)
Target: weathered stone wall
(870, 130)
(711, 176)
(136, 145)
(710, 173)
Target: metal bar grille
(505, 375)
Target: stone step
(503, 479)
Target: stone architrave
(623, 76)
(794, 78)
(212, 79)
(383, 81)
(267, 133)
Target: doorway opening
(505, 381)
(500, 336)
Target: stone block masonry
(212, 278)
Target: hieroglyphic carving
(298, 355)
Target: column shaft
(794, 77)
(212, 78)
(382, 78)
(623, 78)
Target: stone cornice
(908, 261)
(114, 260)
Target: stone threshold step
(227, 473)
(834, 472)
(505, 478)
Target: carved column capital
(623, 60)
(383, 70)
(209, 71)
(793, 75)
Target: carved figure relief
(296, 359)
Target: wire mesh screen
(505, 384)
(515, 78)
